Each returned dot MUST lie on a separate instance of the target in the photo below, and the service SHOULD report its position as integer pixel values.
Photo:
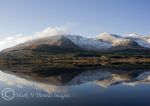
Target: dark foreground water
(47, 86)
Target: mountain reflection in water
(87, 85)
(51, 78)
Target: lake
(67, 85)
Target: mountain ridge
(102, 42)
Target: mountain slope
(142, 41)
(115, 40)
(71, 43)
(39, 50)
(89, 43)
(47, 44)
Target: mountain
(143, 41)
(47, 44)
(44, 49)
(90, 43)
(116, 40)
(72, 43)
(62, 44)
(38, 50)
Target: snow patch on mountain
(116, 40)
(89, 43)
(142, 42)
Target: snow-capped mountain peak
(115, 40)
(142, 40)
(89, 43)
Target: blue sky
(85, 17)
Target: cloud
(10, 41)
(52, 32)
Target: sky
(80, 17)
(87, 17)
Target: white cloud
(52, 31)
(10, 41)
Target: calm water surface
(32, 86)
